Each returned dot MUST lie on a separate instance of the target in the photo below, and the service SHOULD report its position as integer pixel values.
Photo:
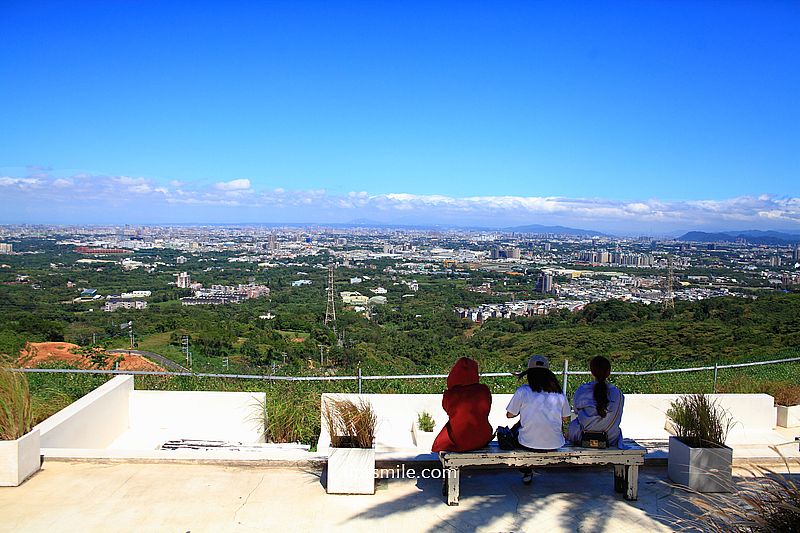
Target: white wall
(644, 417)
(753, 415)
(158, 416)
(93, 421)
(115, 416)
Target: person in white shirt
(543, 409)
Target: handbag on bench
(594, 439)
(505, 438)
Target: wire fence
(360, 378)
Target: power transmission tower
(330, 311)
(669, 298)
(185, 350)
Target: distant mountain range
(558, 230)
(530, 228)
(751, 236)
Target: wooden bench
(625, 460)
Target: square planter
(423, 439)
(700, 469)
(351, 470)
(19, 459)
(789, 417)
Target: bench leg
(620, 483)
(632, 474)
(451, 481)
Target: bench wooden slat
(626, 461)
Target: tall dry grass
(765, 502)
(350, 423)
(16, 412)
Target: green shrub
(16, 413)
(425, 421)
(46, 402)
(699, 422)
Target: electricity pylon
(669, 299)
(330, 311)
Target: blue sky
(640, 117)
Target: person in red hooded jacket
(467, 403)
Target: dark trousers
(515, 432)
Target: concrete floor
(84, 496)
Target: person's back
(467, 404)
(542, 409)
(540, 416)
(598, 405)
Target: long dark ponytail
(601, 369)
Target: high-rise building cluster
(616, 258)
(545, 283)
(501, 252)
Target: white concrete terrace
(102, 470)
(102, 496)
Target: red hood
(464, 372)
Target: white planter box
(700, 469)
(19, 459)
(789, 417)
(351, 470)
(423, 439)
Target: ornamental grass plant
(16, 412)
(765, 502)
(699, 421)
(350, 423)
(286, 415)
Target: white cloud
(142, 188)
(22, 183)
(127, 180)
(740, 212)
(233, 185)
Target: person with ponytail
(598, 405)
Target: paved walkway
(87, 497)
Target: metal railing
(360, 378)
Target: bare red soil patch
(36, 353)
